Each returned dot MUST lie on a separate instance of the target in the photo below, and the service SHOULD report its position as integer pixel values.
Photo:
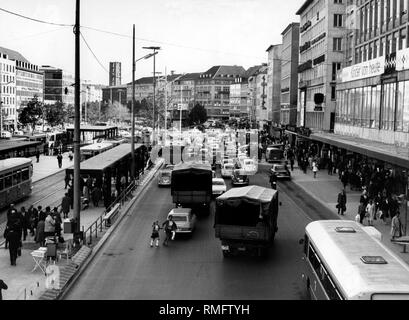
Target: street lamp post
(154, 85)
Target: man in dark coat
(341, 202)
(38, 155)
(65, 205)
(59, 159)
(26, 219)
(96, 195)
(3, 286)
(13, 237)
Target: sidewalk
(48, 166)
(21, 278)
(325, 189)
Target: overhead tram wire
(36, 20)
(99, 62)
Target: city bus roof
(12, 163)
(9, 145)
(96, 146)
(342, 254)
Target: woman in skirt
(155, 234)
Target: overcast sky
(194, 34)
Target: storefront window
(384, 107)
(367, 107)
(405, 115)
(392, 106)
(358, 107)
(351, 106)
(399, 106)
(345, 109)
(377, 106)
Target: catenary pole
(133, 107)
(77, 185)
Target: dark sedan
(281, 171)
(238, 178)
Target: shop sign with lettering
(374, 67)
(402, 59)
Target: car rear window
(165, 174)
(218, 183)
(280, 168)
(179, 218)
(229, 166)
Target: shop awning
(381, 151)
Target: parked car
(218, 186)
(227, 170)
(5, 135)
(165, 175)
(281, 171)
(239, 178)
(184, 218)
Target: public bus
(274, 154)
(345, 261)
(15, 180)
(94, 149)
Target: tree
(55, 114)
(31, 114)
(197, 115)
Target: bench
(110, 216)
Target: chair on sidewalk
(66, 252)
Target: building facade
(374, 94)
(239, 95)
(322, 44)
(58, 86)
(114, 74)
(289, 74)
(274, 83)
(257, 97)
(113, 94)
(213, 90)
(8, 100)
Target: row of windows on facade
(9, 90)
(7, 68)
(378, 107)
(378, 13)
(9, 111)
(383, 46)
(7, 78)
(26, 65)
(8, 101)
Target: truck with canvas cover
(191, 185)
(246, 219)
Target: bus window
(25, 174)
(329, 286)
(305, 244)
(8, 182)
(16, 177)
(315, 262)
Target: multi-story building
(113, 94)
(29, 79)
(257, 97)
(289, 74)
(8, 100)
(322, 44)
(274, 83)
(114, 74)
(58, 86)
(183, 96)
(213, 89)
(239, 96)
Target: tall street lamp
(133, 101)
(154, 84)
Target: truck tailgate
(242, 233)
(191, 197)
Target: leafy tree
(32, 114)
(93, 112)
(55, 114)
(197, 115)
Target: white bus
(345, 262)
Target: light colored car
(184, 218)
(218, 186)
(281, 171)
(165, 177)
(227, 170)
(249, 166)
(228, 160)
(5, 135)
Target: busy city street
(193, 267)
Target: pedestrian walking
(70, 155)
(38, 155)
(314, 168)
(25, 222)
(396, 226)
(370, 212)
(341, 202)
(40, 235)
(344, 178)
(96, 196)
(330, 167)
(170, 227)
(155, 234)
(67, 180)
(65, 205)
(41, 214)
(3, 286)
(49, 226)
(10, 212)
(33, 218)
(13, 237)
(58, 221)
(361, 212)
(59, 159)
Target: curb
(94, 251)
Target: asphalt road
(194, 267)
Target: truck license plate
(225, 247)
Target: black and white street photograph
(198, 157)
